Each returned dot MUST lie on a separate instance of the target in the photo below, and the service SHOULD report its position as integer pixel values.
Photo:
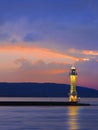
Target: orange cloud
(84, 59)
(37, 53)
(85, 52)
(73, 50)
(90, 52)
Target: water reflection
(73, 113)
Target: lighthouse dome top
(73, 67)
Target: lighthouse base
(73, 98)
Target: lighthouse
(73, 92)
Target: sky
(41, 39)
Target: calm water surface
(50, 118)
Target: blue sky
(49, 33)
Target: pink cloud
(37, 53)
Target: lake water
(50, 118)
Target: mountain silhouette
(42, 90)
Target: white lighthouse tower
(73, 93)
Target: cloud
(36, 53)
(39, 71)
(63, 24)
(40, 65)
(27, 54)
(89, 54)
(85, 52)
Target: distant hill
(42, 90)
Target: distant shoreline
(41, 103)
